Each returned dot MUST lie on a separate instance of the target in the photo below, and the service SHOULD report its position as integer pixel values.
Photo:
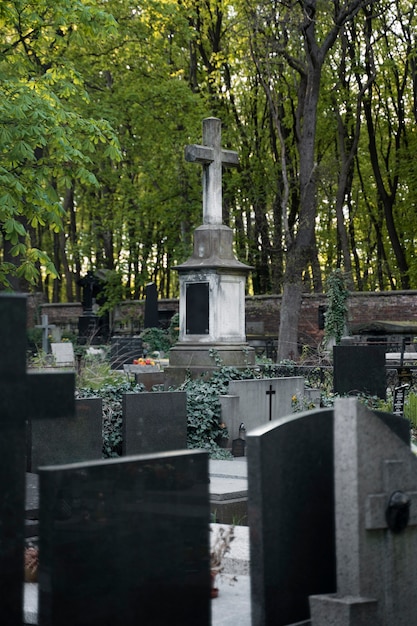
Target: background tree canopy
(99, 98)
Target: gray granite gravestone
(291, 516)
(66, 439)
(360, 369)
(19, 394)
(376, 524)
(154, 422)
(125, 542)
(256, 402)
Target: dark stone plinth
(125, 542)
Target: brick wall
(262, 312)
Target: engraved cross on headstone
(212, 157)
(270, 393)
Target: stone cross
(212, 157)
(45, 332)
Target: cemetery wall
(262, 312)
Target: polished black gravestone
(151, 306)
(125, 542)
(291, 516)
(67, 438)
(123, 350)
(154, 422)
(13, 404)
(360, 369)
(19, 394)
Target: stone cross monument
(212, 280)
(212, 157)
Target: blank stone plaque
(197, 309)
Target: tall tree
(44, 142)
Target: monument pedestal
(202, 360)
(212, 281)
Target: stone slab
(154, 422)
(291, 516)
(125, 541)
(66, 439)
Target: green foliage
(156, 340)
(204, 427)
(45, 143)
(335, 316)
(410, 408)
(111, 395)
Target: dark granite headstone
(20, 394)
(360, 369)
(67, 438)
(197, 308)
(13, 405)
(123, 350)
(125, 542)
(154, 422)
(151, 306)
(291, 516)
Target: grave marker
(376, 524)
(212, 157)
(19, 393)
(291, 515)
(66, 438)
(259, 401)
(151, 306)
(126, 542)
(154, 422)
(360, 369)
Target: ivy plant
(336, 313)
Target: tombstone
(19, 392)
(91, 327)
(212, 281)
(46, 327)
(360, 369)
(291, 516)
(63, 354)
(376, 524)
(123, 350)
(125, 542)
(154, 422)
(66, 438)
(256, 402)
(151, 306)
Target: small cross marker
(270, 393)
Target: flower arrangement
(143, 361)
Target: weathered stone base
(197, 360)
(333, 610)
